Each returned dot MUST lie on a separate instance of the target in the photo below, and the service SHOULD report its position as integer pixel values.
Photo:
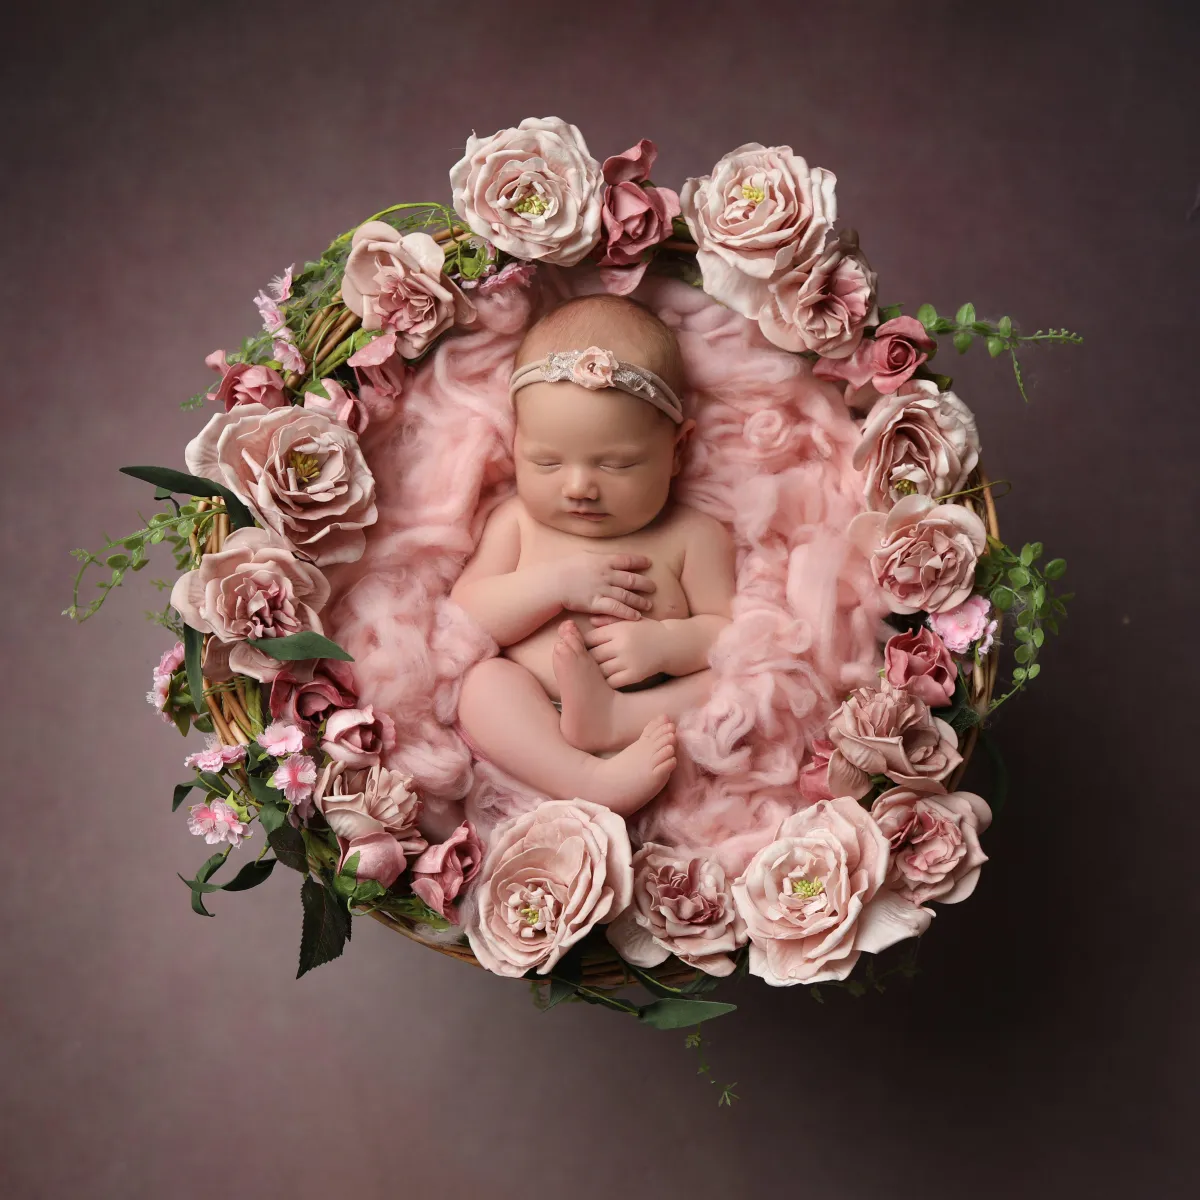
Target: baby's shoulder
(699, 525)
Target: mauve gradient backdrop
(161, 162)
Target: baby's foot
(630, 779)
(587, 700)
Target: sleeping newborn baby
(586, 706)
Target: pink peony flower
(309, 693)
(245, 383)
(594, 368)
(217, 822)
(339, 405)
(295, 777)
(885, 362)
(920, 664)
(959, 627)
(358, 737)
(280, 738)
(441, 873)
(214, 757)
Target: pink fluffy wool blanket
(770, 458)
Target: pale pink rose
(594, 368)
(885, 731)
(280, 738)
(681, 905)
(823, 308)
(296, 777)
(533, 191)
(441, 873)
(245, 383)
(301, 473)
(813, 779)
(394, 281)
(761, 212)
(215, 756)
(811, 899)
(253, 587)
(884, 362)
(357, 737)
(919, 663)
(922, 554)
(636, 216)
(217, 822)
(309, 693)
(377, 366)
(959, 627)
(934, 840)
(290, 359)
(339, 405)
(549, 877)
(919, 441)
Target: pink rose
(245, 383)
(761, 212)
(549, 876)
(358, 736)
(824, 308)
(442, 872)
(813, 780)
(394, 281)
(919, 441)
(339, 405)
(922, 554)
(253, 587)
(594, 368)
(301, 473)
(532, 191)
(888, 732)
(934, 840)
(681, 905)
(810, 901)
(635, 217)
(959, 627)
(309, 693)
(885, 361)
(920, 664)
(379, 368)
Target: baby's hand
(595, 582)
(627, 651)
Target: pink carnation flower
(217, 822)
(280, 738)
(214, 756)
(959, 627)
(170, 662)
(281, 286)
(289, 358)
(272, 316)
(295, 777)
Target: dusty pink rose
(884, 731)
(919, 441)
(295, 777)
(309, 693)
(394, 281)
(811, 899)
(441, 873)
(215, 756)
(339, 405)
(959, 627)
(813, 780)
(681, 905)
(245, 383)
(358, 736)
(823, 308)
(922, 554)
(635, 217)
(301, 473)
(253, 587)
(217, 822)
(594, 368)
(934, 840)
(280, 738)
(532, 191)
(884, 362)
(549, 876)
(381, 370)
(760, 213)
(919, 663)
(374, 814)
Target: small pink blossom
(295, 777)
(280, 738)
(594, 368)
(170, 662)
(214, 756)
(217, 822)
(290, 359)
(338, 404)
(516, 274)
(281, 286)
(272, 316)
(959, 627)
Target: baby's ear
(682, 437)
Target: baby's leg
(510, 719)
(595, 716)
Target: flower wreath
(277, 488)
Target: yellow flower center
(530, 915)
(808, 888)
(754, 194)
(306, 466)
(534, 204)
(905, 487)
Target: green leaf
(193, 648)
(271, 817)
(1056, 568)
(927, 314)
(995, 346)
(1022, 654)
(1034, 671)
(1026, 555)
(965, 315)
(962, 340)
(212, 784)
(889, 313)
(1018, 577)
(703, 982)
(651, 984)
(944, 325)
(1019, 675)
(300, 647)
(251, 875)
(1036, 548)
(180, 794)
(1005, 326)
(288, 845)
(1002, 598)
(560, 990)
(1022, 633)
(679, 1014)
(942, 382)
(325, 929)
(193, 485)
(1038, 637)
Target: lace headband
(599, 368)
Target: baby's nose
(579, 485)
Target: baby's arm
(708, 581)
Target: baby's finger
(599, 621)
(632, 599)
(637, 583)
(597, 637)
(603, 654)
(612, 606)
(629, 562)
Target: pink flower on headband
(594, 368)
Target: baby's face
(599, 452)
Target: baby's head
(598, 450)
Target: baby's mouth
(580, 512)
